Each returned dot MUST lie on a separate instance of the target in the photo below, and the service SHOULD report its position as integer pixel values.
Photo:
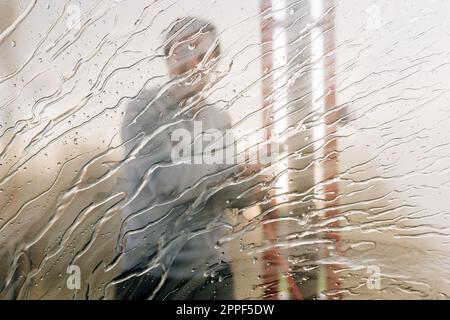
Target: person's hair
(188, 26)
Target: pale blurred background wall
(392, 73)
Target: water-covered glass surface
(224, 149)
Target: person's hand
(251, 169)
(252, 212)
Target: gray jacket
(175, 212)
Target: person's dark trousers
(196, 286)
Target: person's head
(191, 48)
